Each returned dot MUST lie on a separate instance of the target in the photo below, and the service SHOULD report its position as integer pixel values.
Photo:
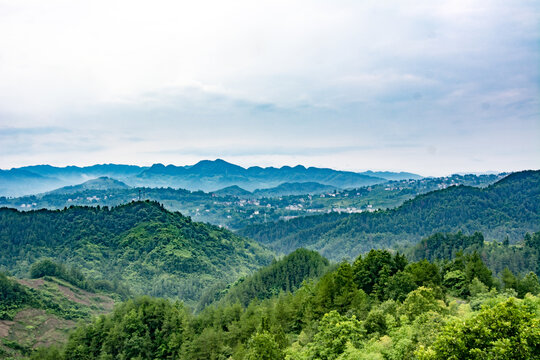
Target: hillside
(379, 307)
(296, 188)
(510, 207)
(520, 258)
(141, 244)
(235, 208)
(284, 275)
(40, 312)
(18, 182)
(233, 190)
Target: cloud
(268, 80)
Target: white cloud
(266, 74)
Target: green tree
(420, 301)
(334, 332)
(508, 330)
(263, 346)
(529, 284)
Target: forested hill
(284, 275)
(141, 244)
(510, 207)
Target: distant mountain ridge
(214, 175)
(206, 175)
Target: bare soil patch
(32, 283)
(74, 297)
(5, 325)
(35, 328)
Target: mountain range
(206, 175)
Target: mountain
(510, 207)
(18, 182)
(206, 175)
(37, 179)
(101, 183)
(111, 170)
(388, 175)
(284, 189)
(233, 190)
(297, 188)
(235, 208)
(141, 244)
(212, 175)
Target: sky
(432, 87)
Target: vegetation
(41, 311)
(74, 276)
(380, 307)
(286, 275)
(509, 208)
(15, 297)
(235, 208)
(519, 258)
(457, 294)
(155, 251)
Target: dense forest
(522, 257)
(286, 274)
(379, 307)
(141, 244)
(459, 279)
(509, 208)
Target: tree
(475, 268)
(345, 287)
(334, 332)
(529, 284)
(509, 330)
(420, 301)
(456, 282)
(263, 346)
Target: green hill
(379, 307)
(520, 258)
(233, 190)
(284, 275)
(510, 207)
(101, 183)
(141, 244)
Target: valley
(236, 208)
(103, 269)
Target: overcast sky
(433, 87)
